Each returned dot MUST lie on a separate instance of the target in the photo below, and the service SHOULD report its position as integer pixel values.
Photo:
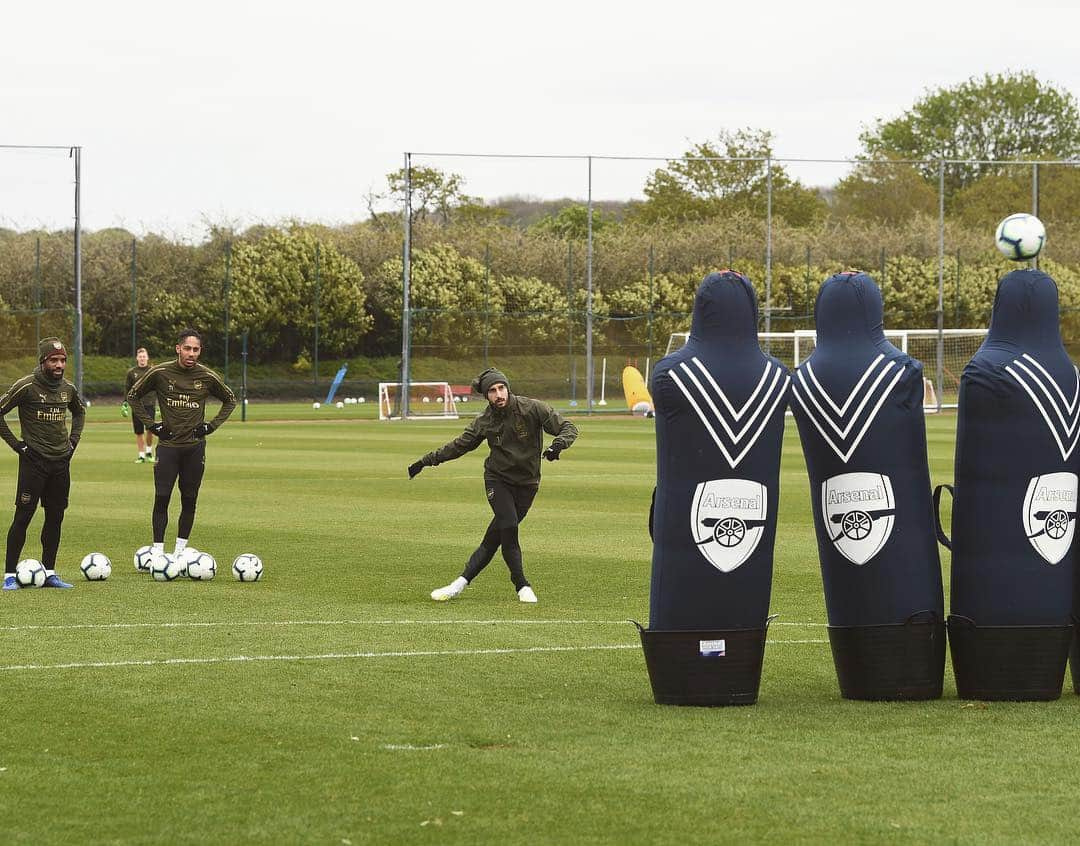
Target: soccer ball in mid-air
(247, 568)
(30, 573)
(202, 567)
(165, 567)
(96, 567)
(142, 558)
(1020, 236)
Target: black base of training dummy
(704, 667)
(902, 661)
(1016, 663)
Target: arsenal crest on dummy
(728, 520)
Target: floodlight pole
(406, 280)
(588, 298)
(76, 154)
(941, 286)
(134, 302)
(1035, 203)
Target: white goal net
(958, 346)
(427, 401)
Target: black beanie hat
(482, 383)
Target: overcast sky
(240, 112)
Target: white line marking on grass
(332, 656)
(270, 623)
(329, 656)
(408, 747)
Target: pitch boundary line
(284, 623)
(333, 656)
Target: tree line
(518, 268)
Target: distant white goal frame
(445, 404)
(804, 340)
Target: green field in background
(334, 702)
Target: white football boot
(526, 594)
(450, 591)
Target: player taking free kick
(513, 427)
(182, 387)
(43, 399)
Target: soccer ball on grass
(247, 568)
(165, 567)
(96, 567)
(1020, 237)
(142, 558)
(201, 567)
(30, 573)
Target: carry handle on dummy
(857, 401)
(720, 405)
(1014, 510)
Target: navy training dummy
(1014, 511)
(720, 405)
(858, 402)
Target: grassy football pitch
(334, 702)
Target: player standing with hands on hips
(182, 387)
(43, 399)
(513, 427)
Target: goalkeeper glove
(552, 452)
(202, 430)
(415, 468)
(125, 409)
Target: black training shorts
(186, 463)
(47, 480)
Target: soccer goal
(958, 346)
(427, 401)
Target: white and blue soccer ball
(185, 557)
(30, 573)
(247, 567)
(165, 567)
(96, 567)
(1020, 236)
(201, 567)
(142, 558)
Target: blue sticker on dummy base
(712, 648)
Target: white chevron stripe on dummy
(807, 393)
(694, 391)
(1070, 431)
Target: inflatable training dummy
(858, 403)
(720, 405)
(1014, 508)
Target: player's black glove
(202, 430)
(415, 468)
(23, 448)
(74, 443)
(552, 452)
(158, 429)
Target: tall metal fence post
(571, 372)
(134, 303)
(768, 244)
(38, 298)
(315, 351)
(228, 286)
(77, 153)
(1035, 203)
(406, 280)
(652, 273)
(487, 301)
(243, 376)
(941, 286)
(588, 300)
